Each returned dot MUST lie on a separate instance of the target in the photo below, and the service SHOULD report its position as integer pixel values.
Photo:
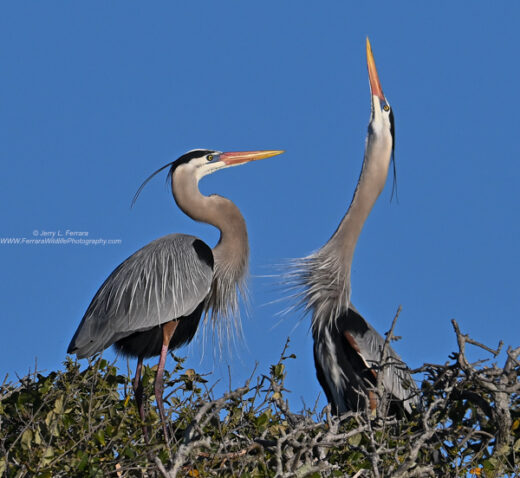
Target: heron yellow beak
(375, 85)
(240, 157)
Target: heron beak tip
(373, 78)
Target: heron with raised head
(153, 301)
(347, 349)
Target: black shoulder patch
(353, 322)
(204, 252)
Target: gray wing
(369, 343)
(164, 280)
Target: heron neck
(232, 248)
(371, 183)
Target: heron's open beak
(375, 85)
(239, 157)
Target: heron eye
(209, 157)
(386, 108)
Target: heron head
(210, 161)
(202, 162)
(382, 117)
(207, 161)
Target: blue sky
(97, 96)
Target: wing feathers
(164, 280)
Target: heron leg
(138, 392)
(168, 330)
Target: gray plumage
(153, 302)
(164, 280)
(347, 349)
(348, 355)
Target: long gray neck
(325, 274)
(231, 254)
(371, 183)
(233, 246)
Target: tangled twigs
(82, 422)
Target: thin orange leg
(168, 331)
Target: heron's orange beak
(375, 85)
(239, 157)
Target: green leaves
(278, 371)
(58, 406)
(27, 437)
(83, 422)
(262, 421)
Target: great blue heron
(153, 301)
(347, 348)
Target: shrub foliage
(78, 422)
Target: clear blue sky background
(94, 97)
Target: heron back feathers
(164, 280)
(348, 357)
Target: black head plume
(136, 195)
(392, 132)
(185, 158)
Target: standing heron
(154, 300)
(347, 349)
